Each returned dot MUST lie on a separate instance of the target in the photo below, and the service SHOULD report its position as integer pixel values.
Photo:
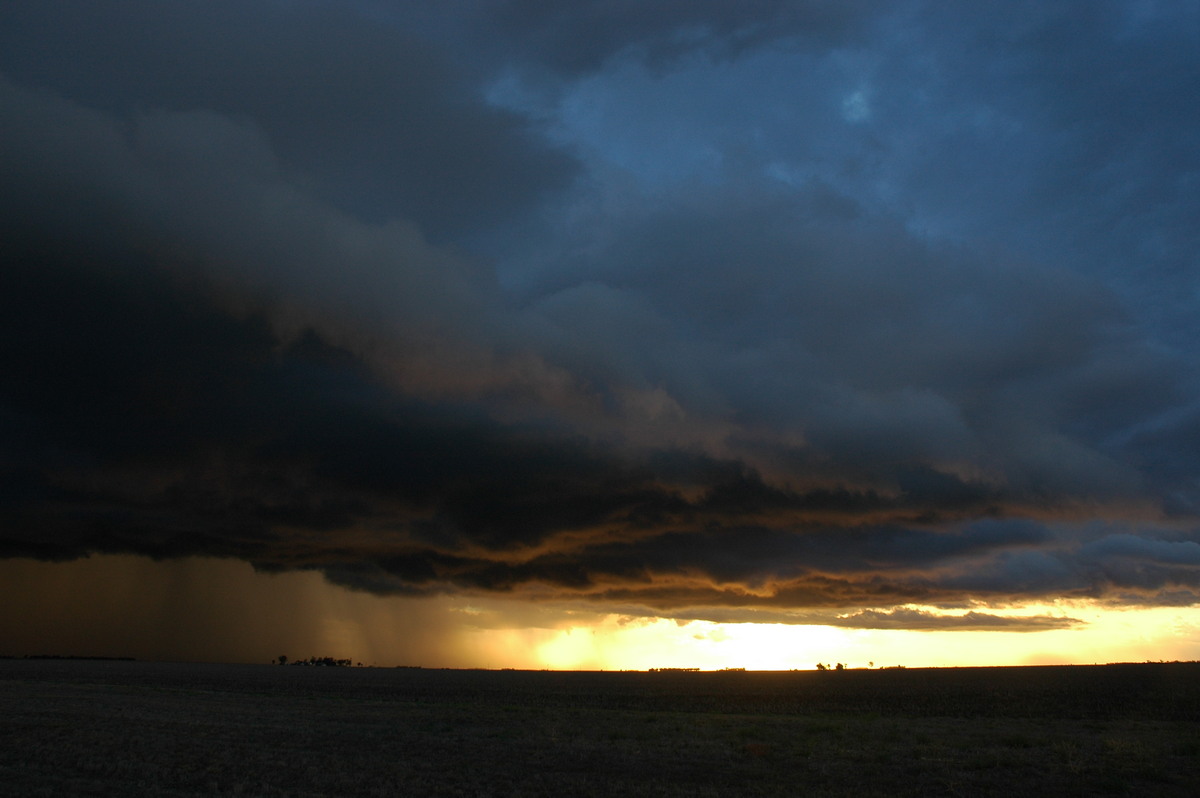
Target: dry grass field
(74, 727)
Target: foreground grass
(99, 728)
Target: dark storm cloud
(879, 350)
(144, 412)
(860, 330)
(156, 423)
(377, 119)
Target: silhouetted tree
(283, 659)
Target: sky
(517, 333)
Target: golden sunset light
(235, 610)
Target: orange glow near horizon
(1108, 636)
(222, 610)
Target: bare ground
(106, 728)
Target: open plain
(81, 727)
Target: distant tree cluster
(821, 666)
(673, 670)
(321, 662)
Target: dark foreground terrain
(129, 728)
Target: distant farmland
(113, 727)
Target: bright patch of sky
(856, 107)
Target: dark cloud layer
(374, 118)
(714, 310)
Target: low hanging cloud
(428, 345)
(899, 618)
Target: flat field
(77, 727)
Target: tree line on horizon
(322, 662)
